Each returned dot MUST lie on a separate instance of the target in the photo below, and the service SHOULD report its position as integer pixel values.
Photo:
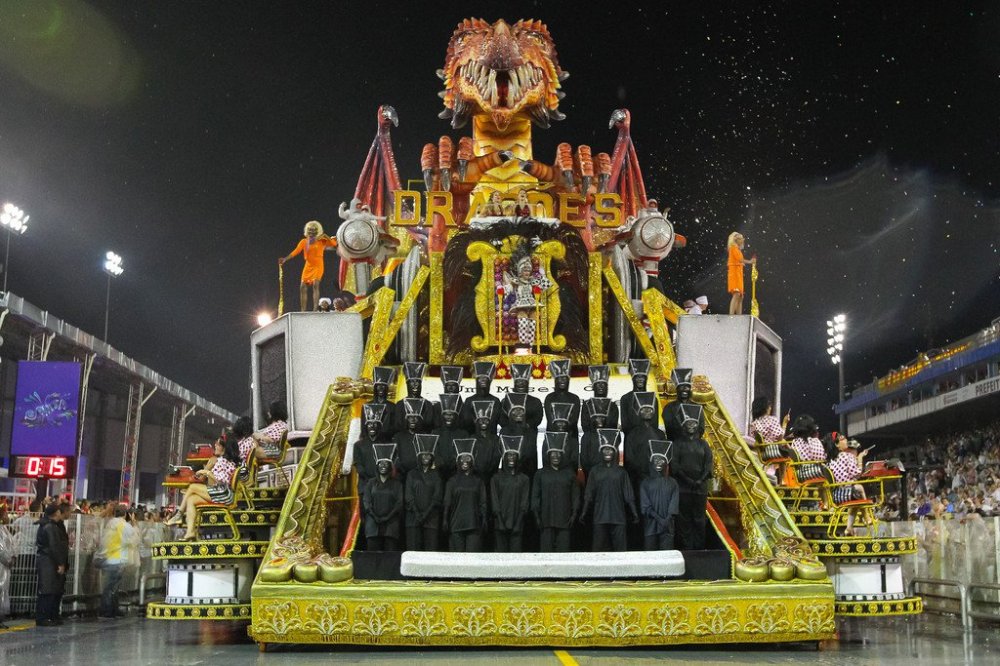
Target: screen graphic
(46, 407)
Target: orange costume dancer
(311, 248)
(735, 277)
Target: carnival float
(507, 275)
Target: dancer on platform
(383, 502)
(451, 381)
(483, 372)
(590, 443)
(559, 420)
(555, 501)
(447, 433)
(659, 497)
(405, 439)
(413, 373)
(510, 497)
(735, 265)
(488, 450)
(364, 448)
(682, 379)
(424, 497)
(533, 413)
(599, 375)
(383, 379)
(560, 369)
(516, 404)
(610, 494)
(311, 248)
(638, 439)
(465, 502)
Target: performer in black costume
(414, 374)
(483, 371)
(413, 423)
(447, 433)
(516, 427)
(424, 496)
(599, 375)
(637, 440)
(692, 467)
(590, 443)
(465, 512)
(560, 414)
(383, 502)
(383, 378)
(364, 452)
(533, 413)
(609, 494)
(451, 379)
(658, 499)
(555, 502)
(560, 369)
(485, 434)
(510, 498)
(639, 369)
(672, 418)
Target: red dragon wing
(626, 176)
(379, 177)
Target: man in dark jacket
(609, 493)
(555, 501)
(658, 499)
(52, 561)
(692, 467)
(510, 495)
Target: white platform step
(527, 566)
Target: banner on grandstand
(46, 409)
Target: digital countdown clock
(53, 467)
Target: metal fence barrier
(963, 595)
(83, 579)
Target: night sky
(856, 146)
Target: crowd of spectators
(956, 474)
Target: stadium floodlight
(113, 267)
(15, 221)
(263, 319)
(836, 330)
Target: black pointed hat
(599, 407)
(644, 399)
(561, 411)
(690, 412)
(556, 441)
(425, 443)
(660, 447)
(483, 409)
(511, 443)
(598, 373)
(483, 368)
(559, 367)
(466, 446)
(681, 376)
(375, 411)
(638, 366)
(413, 370)
(384, 451)
(452, 374)
(413, 406)
(609, 438)
(383, 374)
(520, 371)
(449, 402)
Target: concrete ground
(929, 639)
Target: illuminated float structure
(504, 258)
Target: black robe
(424, 497)
(658, 501)
(388, 420)
(487, 455)
(610, 422)
(444, 454)
(609, 492)
(673, 420)
(637, 450)
(467, 416)
(383, 507)
(510, 497)
(406, 452)
(574, 415)
(465, 503)
(52, 552)
(590, 451)
(533, 411)
(555, 498)
(527, 455)
(691, 465)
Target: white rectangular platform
(530, 566)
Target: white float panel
(857, 578)
(318, 348)
(724, 347)
(526, 566)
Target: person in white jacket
(119, 540)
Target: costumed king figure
(599, 375)
(672, 417)
(639, 369)
(483, 372)
(510, 496)
(424, 496)
(465, 503)
(609, 494)
(520, 288)
(383, 502)
(311, 248)
(560, 369)
(659, 497)
(555, 501)
(692, 467)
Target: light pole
(15, 221)
(113, 267)
(836, 329)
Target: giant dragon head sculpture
(501, 70)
